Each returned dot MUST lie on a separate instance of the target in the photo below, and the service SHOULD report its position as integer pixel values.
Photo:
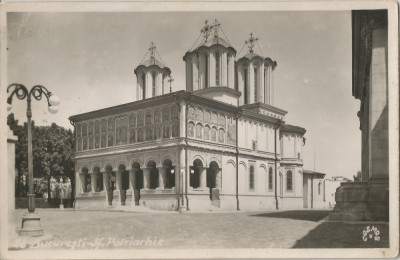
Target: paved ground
(284, 229)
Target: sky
(88, 60)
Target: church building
(220, 144)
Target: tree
(52, 149)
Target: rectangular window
(254, 145)
(289, 181)
(251, 178)
(270, 178)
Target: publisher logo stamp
(371, 233)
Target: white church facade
(220, 144)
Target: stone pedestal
(362, 201)
(31, 225)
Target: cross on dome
(170, 80)
(152, 49)
(216, 27)
(251, 42)
(206, 30)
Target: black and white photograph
(148, 130)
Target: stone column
(106, 181)
(203, 177)
(82, 177)
(161, 177)
(195, 74)
(159, 89)
(201, 71)
(132, 179)
(211, 69)
(224, 69)
(251, 84)
(118, 180)
(146, 178)
(231, 72)
(218, 178)
(93, 179)
(148, 85)
(261, 83)
(106, 186)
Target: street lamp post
(31, 220)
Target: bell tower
(151, 76)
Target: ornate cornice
(132, 106)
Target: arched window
(245, 86)
(251, 178)
(79, 144)
(140, 135)
(175, 129)
(110, 134)
(149, 118)
(256, 84)
(214, 134)
(97, 134)
(199, 130)
(132, 136)
(166, 132)
(153, 86)
(166, 114)
(221, 136)
(319, 188)
(144, 85)
(91, 135)
(103, 140)
(103, 128)
(206, 132)
(149, 134)
(157, 116)
(84, 143)
(217, 68)
(140, 120)
(157, 132)
(270, 179)
(289, 181)
(190, 129)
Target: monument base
(31, 225)
(362, 201)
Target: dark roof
(293, 129)
(316, 174)
(251, 55)
(152, 61)
(215, 40)
(211, 41)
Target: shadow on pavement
(310, 215)
(344, 235)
